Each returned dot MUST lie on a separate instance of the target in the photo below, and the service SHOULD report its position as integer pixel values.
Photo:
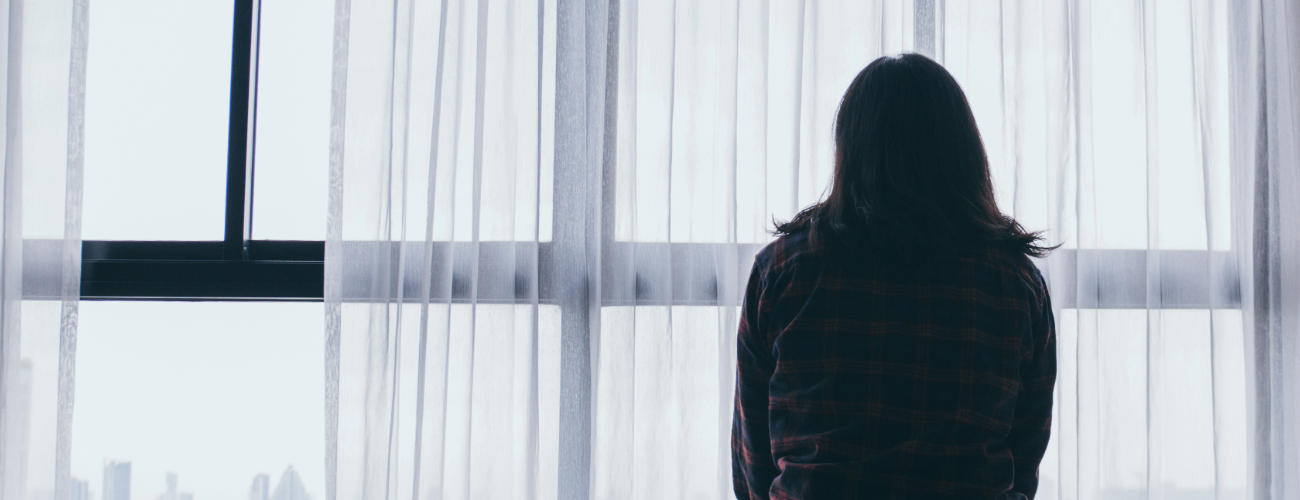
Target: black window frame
(236, 268)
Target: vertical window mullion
(239, 163)
(583, 31)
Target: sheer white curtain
(542, 212)
(44, 59)
(442, 364)
(1266, 162)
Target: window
(170, 206)
(199, 367)
(157, 110)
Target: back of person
(895, 340)
(896, 378)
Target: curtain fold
(543, 211)
(1267, 73)
(442, 360)
(40, 243)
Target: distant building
(261, 488)
(170, 494)
(79, 490)
(117, 480)
(290, 487)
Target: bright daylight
(649, 249)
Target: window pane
(1159, 399)
(293, 118)
(157, 114)
(664, 383)
(217, 393)
(482, 365)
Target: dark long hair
(911, 176)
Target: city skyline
(260, 488)
(289, 487)
(80, 490)
(116, 485)
(172, 492)
(117, 480)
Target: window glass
(1152, 389)
(290, 190)
(664, 382)
(157, 116)
(509, 196)
(216, 393)
(1133, 124)
(715, 142)
(481, 365)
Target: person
(895, 340)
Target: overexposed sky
(157, 119)
(217, 392)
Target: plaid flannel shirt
(865, 377)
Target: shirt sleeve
(752, 468)
(1032, 427)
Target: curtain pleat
(543, 213)
(40, 251)
(445, 372)
(1266, 51)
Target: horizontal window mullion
(201, 280)
(293, 270)
(709, 274)
(1125, 279)
(639, 274)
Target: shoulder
(783, 254)
(1023, 273)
